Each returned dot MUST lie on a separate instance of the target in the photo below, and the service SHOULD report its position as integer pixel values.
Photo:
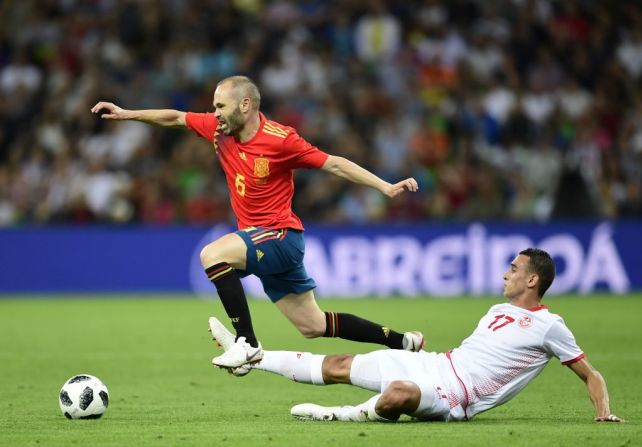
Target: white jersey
(508, 349)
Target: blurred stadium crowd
(505, 109)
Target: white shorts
(430, 371)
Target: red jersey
(259, 171)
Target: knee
(214, 253)
(400, 396)
(210, 255)
(336, 368)
(229, 248)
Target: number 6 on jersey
(240, 184)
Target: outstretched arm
(162, 117)
(355, 173)
(597, 390)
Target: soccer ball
(83, 397)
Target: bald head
(242, 87)
(236, 107)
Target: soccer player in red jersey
(258, 157)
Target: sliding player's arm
(351, 171)
(160, 117)
(597, 390)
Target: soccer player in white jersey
(511, 345)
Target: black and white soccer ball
(83, 397)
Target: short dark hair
(246, 87)
(542, 264)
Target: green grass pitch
(154, 355)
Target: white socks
(302, 367)
(372, 414)
(361, 413)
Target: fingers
(410, 184)
(102, 105)
(112, 109)
(609, 418)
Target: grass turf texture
(154, 356)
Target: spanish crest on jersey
(261, 167)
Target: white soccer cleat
(225, 339)
(238, 354)
(413, 341)
(220, 334)
(314, 412)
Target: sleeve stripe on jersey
(272, 133)
(576, 359)
(273, 130)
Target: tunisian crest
(261, 167)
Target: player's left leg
(370, 371)
(222, 259)
(401, 397)
(226, 340)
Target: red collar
(540, 307)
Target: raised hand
(394, 190)
(113, 111)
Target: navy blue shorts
(276, 258)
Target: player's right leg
(276, 257)
(317, 369)
(304, 312)
(221, 259)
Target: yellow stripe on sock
(219, 274)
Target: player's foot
(225, 339)
(314, 412)
(413, 341)
(238, 354)
(220, 334)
